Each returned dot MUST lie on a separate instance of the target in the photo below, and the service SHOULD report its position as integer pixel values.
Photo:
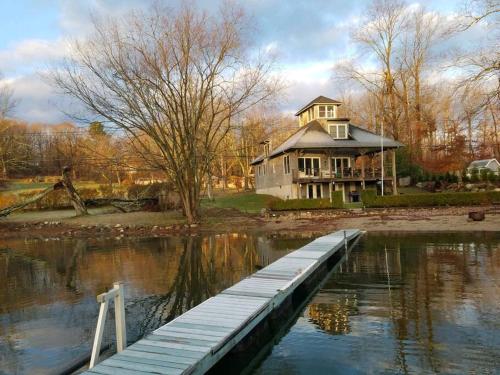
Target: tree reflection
(414, 283)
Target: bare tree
(7, 102)
(174, 81)
(380, 35)
(482, 65)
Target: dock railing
(118, 295)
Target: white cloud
(31, 54)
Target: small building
(487, 164)
(322, 156)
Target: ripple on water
(402, 304)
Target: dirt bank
(107, 222)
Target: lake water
(48, 289)
(419, 304)
(398, 304)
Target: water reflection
(47, 303)
(402, 304)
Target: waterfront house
(327, 153)
(491, 165)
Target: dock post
(96, 347)
(117, 293)
(121, 328)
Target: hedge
(307, 204)
(370, 199)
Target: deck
(195, 341)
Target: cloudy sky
(308, 36)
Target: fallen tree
(124, 205)
(64, 183)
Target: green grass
(20, 186)
(244, 202)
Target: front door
(313, 191)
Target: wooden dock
(195, 341)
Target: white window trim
(334, 110)
(286, 164)
(334, 162)
(314, 187)
(336, 135)
(310, 157)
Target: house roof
(314, 136)
(319, 100)
(481, 163)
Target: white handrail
(117, 293)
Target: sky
(308, 37)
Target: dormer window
(326, 111)
(338, 131)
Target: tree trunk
(75, 198)
(8, 210)
(209, 186)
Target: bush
(145, 191)
(429, 200)
(307, 204)
(484, 174)
(474, 175)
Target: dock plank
(194, 341)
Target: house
(327, 153)
(487, 164)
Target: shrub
(430, 200)
(307, 204)
(483, 173)
(474, 175)
(145, 191)
(105, 191)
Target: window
(341, 164)
(262, 170)
(313, 191)
(309, 166)
(338, 131)
(266, 149)
(286, 164)
(326, 111)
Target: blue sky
(309, 36)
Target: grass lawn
(244, 202)
(19, 186)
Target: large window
(286, 164)
(326, 111)
(338, 131)
(309, 166)
(341, 164)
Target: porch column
(363, 172)
(298, 191)
(394, 178)
(331, 176)
(373, 166)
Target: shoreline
(63, 224)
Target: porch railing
(346, 173)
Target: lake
(48, 309)
(399, 303)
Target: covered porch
(321, 172)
